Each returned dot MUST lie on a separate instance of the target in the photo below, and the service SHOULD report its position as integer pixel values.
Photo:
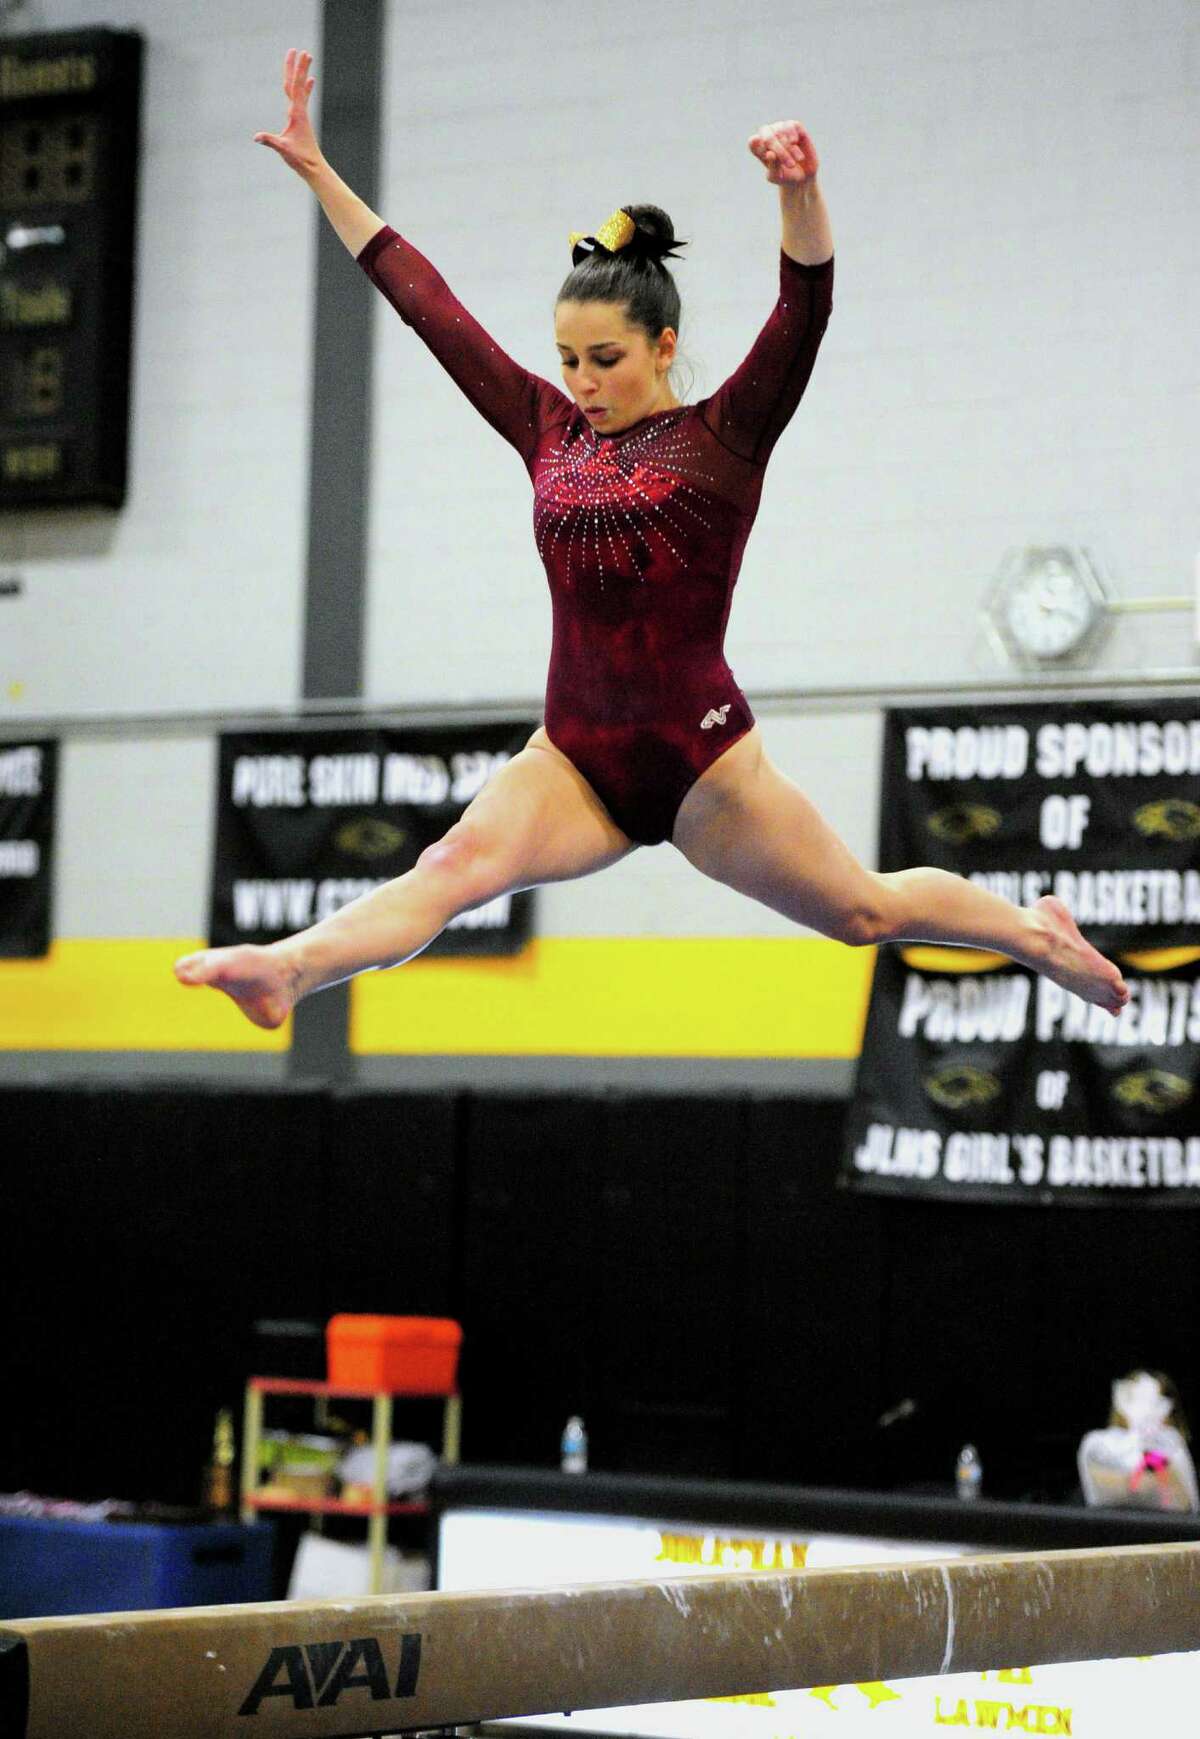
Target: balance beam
(341, 1669)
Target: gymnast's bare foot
(1073, 962)
(260, 982)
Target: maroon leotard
(641, 534)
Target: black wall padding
(960, 1330)
(668, 1254)
(681, 1269)
(389, 1171)
(529, 1293)
(813, 1302)
(1114, 1289)
(146, 1231)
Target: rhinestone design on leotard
(613, 499)
(642, 534)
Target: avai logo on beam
(316, 1675)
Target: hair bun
(655, 239)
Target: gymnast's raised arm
(514, 401)
(790, 159)
(753, 407)
(350, 216)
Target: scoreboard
(69, 133)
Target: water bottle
(968, 1473)
(574, 1446)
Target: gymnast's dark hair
(635, 275)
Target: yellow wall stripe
(119, 996)
(624, 997)
(628, 997)
(563, 996)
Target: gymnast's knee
(463, 863)
(868, 922)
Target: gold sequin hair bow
(615, 233)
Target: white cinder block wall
(1014, 357)
(188, 598)
(191, 598)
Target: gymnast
(642, 507)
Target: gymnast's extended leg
(537, 820)
(747, 825)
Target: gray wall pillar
(350, 69)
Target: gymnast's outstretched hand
(786, 153)
(297, 144)
(350, 216)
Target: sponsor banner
(1098, 803)
(999, 1086)
(979, 1080)
(28, 777)
(309, 820)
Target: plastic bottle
(218, 1472)
(968, 1473)
(574, 1446)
